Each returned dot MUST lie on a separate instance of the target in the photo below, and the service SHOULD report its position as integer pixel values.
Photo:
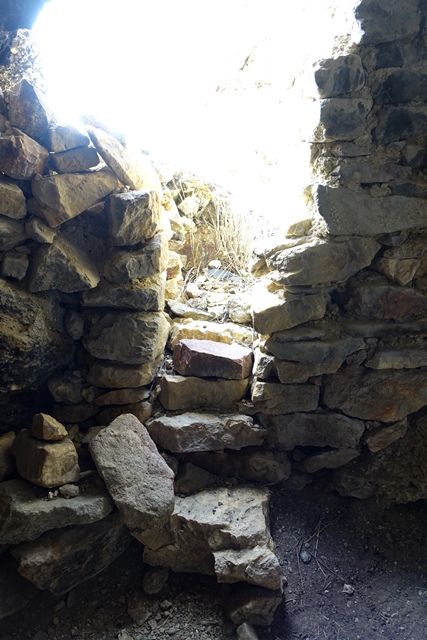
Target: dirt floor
(354, 569)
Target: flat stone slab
(137, 477)
(274, 313)
(405, 358)
(205, 330)
(379, 299)
(204, 432)
(21, 157)
(207, 358)
(117, 376)
(24, 515)
(139, 295)
(179, 393)
(273, 398)
(123, 266)
(134, 217)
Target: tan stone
(382, 437)
(67, 137)
(138, 295)
(204, 330)
(21, 157)
(74, 160)
(274, 399)
(45, 427)
(122, 396)
(15, 266)
(276, 312)
(12, 201)
(39, 231)
(207, 358)
(180, 393)
(117, 376)
(134, 217)
(27, 110)
(12, 233)
(141, 410)
(124, 266)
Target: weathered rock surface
(60, 560)
(65, 388)
(225, 523)
(339, 75)
(123, 266)
(400, 264)
(45, 427)
(207, 358)
(326, 352)
(117, 376)
(141, 410)
(189, 432)
(133, 169)
(74, 160)
(45, 464)
(12, 200)
(39, 231)
(139, 295)
(273, 312)
(64, 137)
(386, 395)
(378, 299)
(27, 110)
(312, 430)
(128, 338)
(122, 396)
(382, 437)
(246, 631)
(403, 358)
(15, 265)
(273, 399)
(7, 463)
(343, 118)
(24, 515)
(12, 233)
(21, 157)
(203, 330)
(179, 393)
(329, 459)
(134, 217)
(15, 591)
(61, 266)
(335, 260)
(252, 604)
(62, 197)
(388, 21)
(138, 479)
(191, 479)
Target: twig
(299, 569)
(329, 569)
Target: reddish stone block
(206, 358)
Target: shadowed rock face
(19, 14)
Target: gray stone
(401, 263)
(339, 75)
(12, 233)
(138, 295)
(387, 395)
(222, 521)
(45, 464)
(117, 376)
(24, 515)
(75, 413)
(343, 211)
(141, 410)
(39, 231)
(66, 137)
(74, 160)
(65, 388)
(400, 123)
(27, 110)
(246, 631)
(155, 579)
(399, 358)
(60, 560)
(74, 324)
(186, 311)
(208, 358)
(328, 353)
(138, 479)
(255, 605)
(264, 365)
(191, 479)
(123, 266)
(134, 217)
(179, 393)
(356, 173)
(15, 591)
(21, 157)
(62, 197)
(312, 430)
(383, 329)
(12, 201)
(382, 437)
(343, 118)
(274, 399)
(189, 432)
(388, 21)
(401, 86)
(132, 168)
(14, 266)
(336, 261)
(273, 312)
(128, 338)
(329, 459)
(61, 266)
(122, 396)
(7, 463)
(380, 300)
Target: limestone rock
(133, 169)
(312, 430)
(27, 110)
(64, 137)
(329, 459)
(403, 358)
(388, 21)
(123, 266)
(387, 395)
(339, 75)
(62, 197)
(336, 261)
(380, 300)
(207, 358)
(347, 212)
(117, 376)
(128, 338)
(12, 201)
(199, 330)
(7, 464)
(15, 266)
(45, 427)
(134, 217)
(61, 266)
(185, 310)
(138, 295)
(21, 157)
(12, 233)
(138, 479)
(122, 396)
(39, 231)
(191, 479)
(31, 327)
(15, 591)
(343, 118)
(60, 560)
(252, 604)
(326, 352)
(74, 160)
(43, 463)
(222, 521)
(179, 393)
(273, 312)
(274, 399)
(239, 308)
(382, 437)
(400, 271)
(24, 515)
(204, 432)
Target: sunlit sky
(171, 76)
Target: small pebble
(305, 556)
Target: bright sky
(169, 74)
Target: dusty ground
(379, 553)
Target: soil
(364, 577)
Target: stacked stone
(84, 245)
(343, 313)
